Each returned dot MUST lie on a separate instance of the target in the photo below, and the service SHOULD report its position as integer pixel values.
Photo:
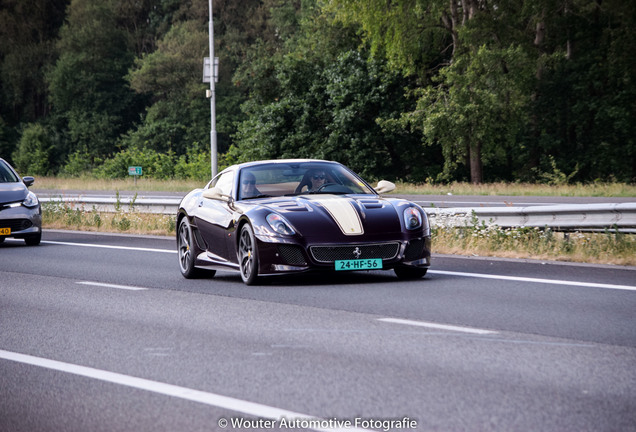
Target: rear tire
(410, 273)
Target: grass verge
(521, 189)
(610, 247)
(128, 184)
(504, 189)
(57, 215)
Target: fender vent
(197, 237)
(371, 204)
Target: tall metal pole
(213, 150)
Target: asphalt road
(101, 333)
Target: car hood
(331, 215)
(12, 192)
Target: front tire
(187, 250)
(410, 273)
(33, 240)
(248, 255)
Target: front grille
(329, 254)
(292, 254)
(414, 250)
(16, 224)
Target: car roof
(281, 161)
(274, 161)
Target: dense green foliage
(416, 90)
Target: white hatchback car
(20, 211)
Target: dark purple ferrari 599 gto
(288, 216)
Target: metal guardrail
(166, 206)
(565, 217)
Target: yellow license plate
(5, 231)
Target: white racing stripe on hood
(343, 212)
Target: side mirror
(28, 180)
(384, 186)
(216, 194)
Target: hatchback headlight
(31, 200)
(412, 218)
(279, 224)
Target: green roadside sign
(135, 171)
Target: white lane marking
(225, 402)
(437, 326)
(441, 272)
(124, 287)
(111, 247)
(536, 280)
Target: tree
(585, 100)
(90, 96)
(478, 109)
(34, 151)
(27, 32)
(171, 76)
(414, 35)
(458, 112)
(339, 112)
(178, 115)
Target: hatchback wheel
(33, 240)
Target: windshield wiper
(257, 196)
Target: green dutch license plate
(359, 264)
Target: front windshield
(6, 174)
(299, 178)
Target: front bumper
(22, 221)
(279, 258)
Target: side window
(225, 182)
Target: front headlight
(31, 200)
(279, 224)
(412, 218)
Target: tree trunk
(450, 24)
(539, 38)
(476, 169)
